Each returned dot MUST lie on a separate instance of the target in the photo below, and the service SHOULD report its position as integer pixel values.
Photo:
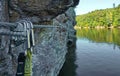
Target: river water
(97, 53)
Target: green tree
(105, 17)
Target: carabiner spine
(28, 39)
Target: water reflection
(69, 68)
(97, 59)
(97, 53)
(109, 36)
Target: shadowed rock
(44, 9)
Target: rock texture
(41, 9)
(6, 68)
(51, 43)
(49, 54)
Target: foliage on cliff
(104, 17)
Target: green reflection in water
(100, 35)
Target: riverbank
(103, 18)
(97, 27)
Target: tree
(104, 17)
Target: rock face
(43, 10)
(49, 54)
(5, 57)
(51, 43)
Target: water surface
(97, 53)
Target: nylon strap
(27, 66)
(28, 63)
(30, 43)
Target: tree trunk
(5, 58)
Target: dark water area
(97, 53)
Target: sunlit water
(97, 59)
(96, 54)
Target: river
(97, 53)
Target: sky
(86, 6)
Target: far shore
(97, 27)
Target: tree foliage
(104, 17)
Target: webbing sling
(27, 69)
(28, 64)
(28, 60)
(30, 43)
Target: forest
(109, 17)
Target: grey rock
(51, 43)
